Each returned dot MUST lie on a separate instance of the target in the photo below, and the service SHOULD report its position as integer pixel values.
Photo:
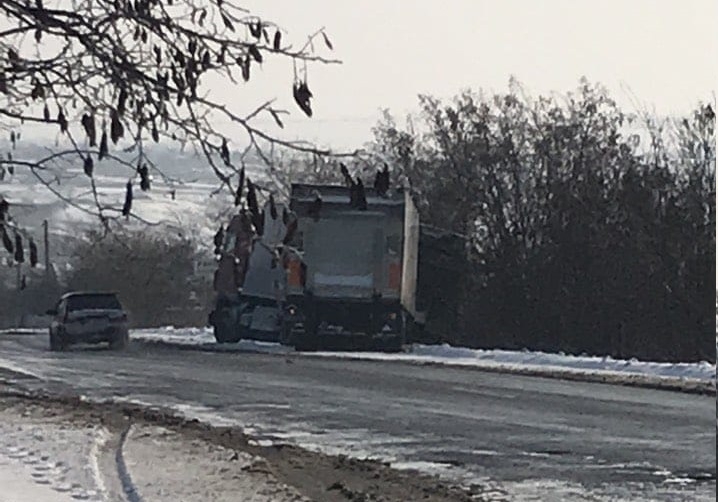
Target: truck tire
(306, 340)
(306, 343)
(224, 333)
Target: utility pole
(47, 249)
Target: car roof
(87, 293)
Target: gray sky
(664, 51)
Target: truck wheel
(224, 333)
(306, 343)
(285, 335)
(306, 340)
(393, 344)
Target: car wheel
(121, 342)
(56, 344)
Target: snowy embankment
(694, 377)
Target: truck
(351, 269)
(249, 280)
(327, 275)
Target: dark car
(88, 317)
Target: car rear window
(88, 302)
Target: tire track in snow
(127, 485)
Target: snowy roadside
(691, 377)
(49, 456)
(47, 460)
(57, 448)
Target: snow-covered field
(504, 360)
(180, 200)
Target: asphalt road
(530, 438)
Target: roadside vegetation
(587, 229)
(154, 275)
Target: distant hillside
(193, 210)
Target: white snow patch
(421, 465)
(704, 372)
(19, 486)
(49, 454)
(198, 470)
(100, 439)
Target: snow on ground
(46, 458)
(703, 372)
(18, 486)
(44, 461)
(165, 467)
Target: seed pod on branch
(103, 145)
(38, 91)
(6, 241)
(219, 240)
(224, 151)
(256, 29)
(227, 23)
(122, 102)
(144, 173)
(62, 120)
(277, 43)
(19, 251)
(302, 96)
(88, 123)
(127, 206)
(244, 63)
(88, 165)
(117, 130)
(33, 253)
(327, 41)
(252, 203)
(254, 52)
(240, 189)
(272, 207)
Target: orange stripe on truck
(395, 276)
(294, 278)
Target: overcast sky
(664, 51)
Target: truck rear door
(343, 254)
